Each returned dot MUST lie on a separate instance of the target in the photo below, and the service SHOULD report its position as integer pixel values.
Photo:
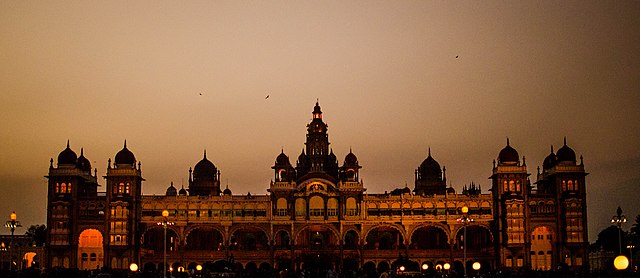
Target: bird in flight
(456, 56)
(266, 97)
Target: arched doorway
(384, 238)
(90, 250)
(429, 237)
(29, 260)
(541, 248)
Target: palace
(317, 214)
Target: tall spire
(205, 153)
(125, 143)
(67, 143)
(565, 140)
(507, 141)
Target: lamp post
(12, 224)
(165, 223)
(619, 219)
(464, 219)
(631, 247)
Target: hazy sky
(386, 74)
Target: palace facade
(317, 214)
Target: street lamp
(476, 267)
(133, 267)
(619, 219)
(12, 224)
(164, 223)
(621, 262)
(464, 219)
(630, 247)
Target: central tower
(318, 157)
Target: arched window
(281, 207)
(512, 186)
(316, 206)
(351, 206)
(63, 188)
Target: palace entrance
(317, 265)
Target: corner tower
(124, 191)
(71, 188)
(510, 189)
(564, 178)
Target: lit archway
(90, 250)
(541, 248)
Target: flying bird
(456, 56)
(200, 93)
(266, 97)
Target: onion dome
(282, 159)
(227, 191)
(302, 158)
(350, 159)
(508, 155)
(406, 190)
(183, 192)
(332, 156)
(125, 156)
(171, 191)
(550, 160)
(566, 154)
(204, 169)
(67, 156)
(430, 167)
(83, 163)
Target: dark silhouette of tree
(608, 240)
(38, 233)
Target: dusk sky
(393, 78)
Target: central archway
(90, 250)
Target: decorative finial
(507, 141)
(565, 140)
(67, 143)
(524, 161)
(350, 149)
(429, 151)
(51, 163)
(125, 143)
(81, 151)
(581, 162)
